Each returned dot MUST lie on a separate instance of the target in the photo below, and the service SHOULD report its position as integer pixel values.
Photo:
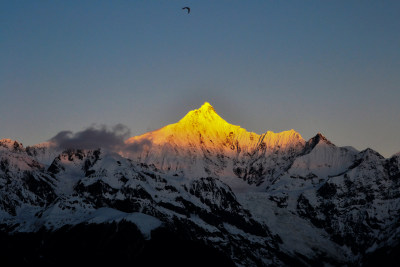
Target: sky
(312, 66)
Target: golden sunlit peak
(205, 114)
(206, 105)
(203, 126)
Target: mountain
(203, 144)
(84, 187)
(201, 191)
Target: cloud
(108, 138)
(93, 137)
(137, 146)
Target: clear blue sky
(314, 66)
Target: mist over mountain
(201, 190)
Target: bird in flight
(188, 9)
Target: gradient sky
(312, 66)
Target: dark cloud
(93, 137)
(108, 138)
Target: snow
(324, 160)
(44, 152)
(7, 144)
(297, 234)
(56, 217)
(198, 221)
(351, 149)
(203, 144)
(144, 222)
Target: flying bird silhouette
(188, 9)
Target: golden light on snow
(203, 128)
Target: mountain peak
(319, 138)
(206, 106)
(203, 122)
(203, 116)
(11, 144)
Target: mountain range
(200, 191)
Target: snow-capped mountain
(203, 144)
(95, 187)
(201, 185)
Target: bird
(188, 9)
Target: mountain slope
(23, 180)
(96, 187)
(203, 144)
